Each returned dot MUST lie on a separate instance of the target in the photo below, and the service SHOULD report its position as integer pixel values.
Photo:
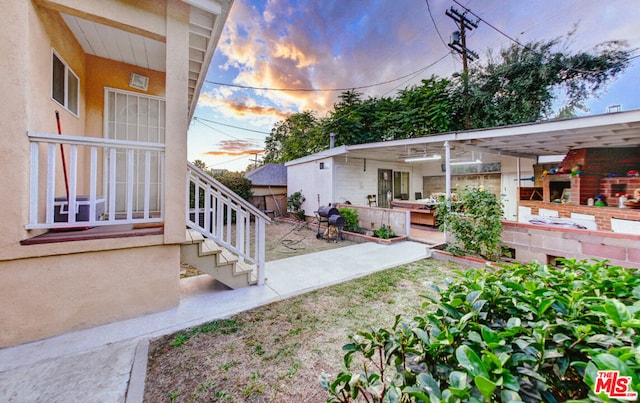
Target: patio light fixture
(477, 161)
(423, 158)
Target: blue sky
(344, 44)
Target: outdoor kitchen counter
(422, 212)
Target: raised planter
(351, 236)
(469, 261)
(355, 237)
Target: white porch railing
(120, 181)
(218, 213)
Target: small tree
(474, 221)
(294, 205)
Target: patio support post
(447, 175)
(447, 172)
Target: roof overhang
(531, 140)
(143, 43)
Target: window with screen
(65, 85)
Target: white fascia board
(212, 6)
(583, 122)
(334, 152)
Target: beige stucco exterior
(53, 288)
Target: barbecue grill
(331, 216)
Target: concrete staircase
(210, 258)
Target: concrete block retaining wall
(545, 243)
(371, 218)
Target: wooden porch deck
(99, 232)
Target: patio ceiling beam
(114, 14)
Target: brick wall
(597, 164)
(545, 243)
(609, 187)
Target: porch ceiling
(620, 129)
(131, 46)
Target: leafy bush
(350, 216)
(294, 204)
(384, 232)
(521, 333)
(474, 220)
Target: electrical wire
(488, 23)
(435, 26)
(228, 125)
(321, 89)
(216, 130)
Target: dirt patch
(277, 352)
(287, 239)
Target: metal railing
(107, 182)
(220, 214)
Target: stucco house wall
(53, 288)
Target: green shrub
(384, 232)
(294, 205)
(475, 221)
(520, 333)
(350, 216)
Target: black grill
(331, 216)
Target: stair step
(210, 247)
(193, 236)
(218, 262)
(226, 257)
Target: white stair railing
(109, 182)
(218, 213)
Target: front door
(384, 187)
(136, 117)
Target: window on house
(65, 85)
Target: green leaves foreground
(520, 333)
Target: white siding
(355, 179)
(315, 184)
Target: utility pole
(459, 44)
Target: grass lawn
(277, 352)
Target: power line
(216, 130)
(395, 88)
(434, 24)
(488, 23)
(228, 125)
(320, 90)
(235, 159)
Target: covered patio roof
(531, 140)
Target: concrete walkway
(108, 363)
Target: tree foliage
(520, 84)
(292, 138)
(235, 181)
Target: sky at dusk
(379, 46)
